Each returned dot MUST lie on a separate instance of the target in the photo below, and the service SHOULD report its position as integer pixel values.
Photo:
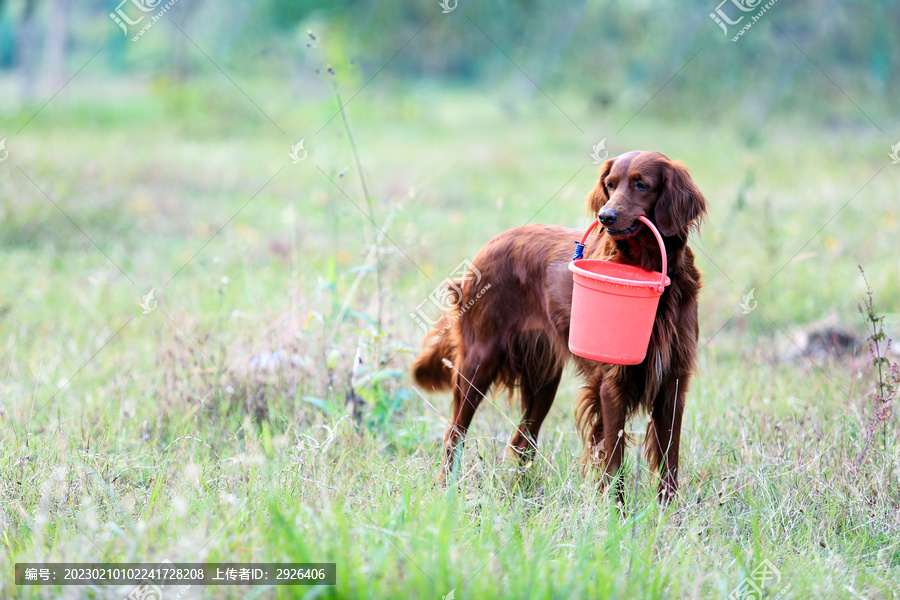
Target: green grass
(141, 437)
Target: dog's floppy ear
(599, 195)
(681, 206)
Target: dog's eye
(641, 185)
(609, 186)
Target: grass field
(262, 412)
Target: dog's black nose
(608, 216)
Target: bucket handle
(579, 247)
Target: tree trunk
(56, 42)
(27, 54)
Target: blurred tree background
(595, 48)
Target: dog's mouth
(623, 233)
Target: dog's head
(646, 184)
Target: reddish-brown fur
(516, 334)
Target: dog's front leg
(664, 435)
(613, 409)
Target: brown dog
(516, 333)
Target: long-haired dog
(516, 334)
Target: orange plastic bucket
(614, 306)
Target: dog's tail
(429, 369)
(433, 368)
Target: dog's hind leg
(471, 381)
(538, 393)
